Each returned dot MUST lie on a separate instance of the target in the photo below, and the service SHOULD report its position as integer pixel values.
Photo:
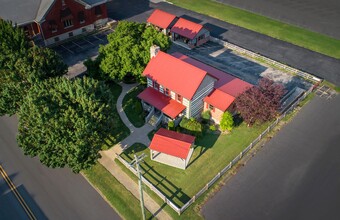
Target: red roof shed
(186, 28)
(172, 143)
(161, 18)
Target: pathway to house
(138, 135)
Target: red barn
(55, 20)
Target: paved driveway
(295, 176)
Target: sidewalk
(138, 135)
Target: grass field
(125, 204)
(133, 107)
(276, 29)
(212, 153)
(121, 131)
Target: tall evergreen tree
(21, 66)
(64, 122)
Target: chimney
(154, 50)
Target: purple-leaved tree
(260, 103)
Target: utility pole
(137, 161)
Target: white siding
(149, 82)
(196, 105)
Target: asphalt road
(320, 65)
(319, 16)
(50, 193)
(295, 176)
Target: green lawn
(276, 29)
(212, 153)
(120, 131)
(125, 204)
(133, 107)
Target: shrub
(227, 121)
(212, 127)
(206, 115)
(171, 125)
(192, 126)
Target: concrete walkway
(138, 135)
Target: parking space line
(78, 45)
(67, 49)
(88, 41)
(98, 38)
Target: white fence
(266, 59)
(223, 171)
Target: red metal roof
(186, 28)
(219, 99)
(161, 18)
(226, 82)
(172, 143)
(175, 74)
(162, 102)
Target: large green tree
(21, 66)
(128, 50)
(64, 122)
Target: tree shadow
(237, 120)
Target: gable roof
(219, 99)
(175, 74)
(162, 102)
(186, 28)
(172, 143)
(226, 82)
(27, 11)
(161, 18)
(22, 12)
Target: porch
(161, 108)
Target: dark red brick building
(52, 21)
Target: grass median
(261, 24)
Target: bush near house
(191, 126)
(227, 121)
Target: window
(81, 17)
(156, 86)
(68, 23)
(56, 39)
(98, 11)
(167, 92)
(179, 97)
(212, 108)
(200, 37)
(83, 30)
(70, 34)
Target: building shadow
(215, 30)
(187, 17)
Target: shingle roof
(26, 11)
(175, 74)
(172, 143)
(161, 18)
(186, 28)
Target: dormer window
(81, 17)
(98, 11)
(179, 98)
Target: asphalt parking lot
(242, 67)
(81, 48)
